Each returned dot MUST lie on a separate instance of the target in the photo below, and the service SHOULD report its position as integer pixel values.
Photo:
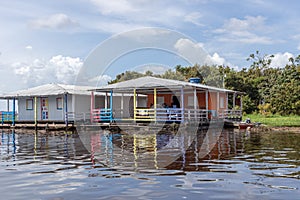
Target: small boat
(244, 125)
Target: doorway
(44, 108)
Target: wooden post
(134, 104)
(35, 112)
(154, 100)
(226, 100)
(182, 104)
(241, 102)
(92, 106)
(218, 103)
(2, 118)
(66, 110)
(122, 105)
(7, 105)
(14, 111)
(105, 101)
(206, 103)
(195, 103)
(233, 103)
(111, 105)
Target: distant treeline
(267, 90)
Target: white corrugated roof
(146, 82)
(53, 89)
(153, 82)
(50, 89)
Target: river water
(104, 165)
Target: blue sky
(48, 41)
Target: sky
(53, 41)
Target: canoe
(244, 125)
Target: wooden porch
(168, 101)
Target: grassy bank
(275, 120)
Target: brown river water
(104, 165)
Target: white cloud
(215, 59)
(249, 23)
(113, 26)
(114, 7)
(281, 59)
(195, 53)
(99, 80)
(153, 67)
(193, 18)
(66, 68)
(123, 15)
(248, 31)
(28, 47)
(58, 69)
(191, 51)
(55, 21)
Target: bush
(265, 109)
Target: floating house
(55, 103)
(167, 100)
(145, 99)
(47, 103)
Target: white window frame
(29, 104)
(222, 103)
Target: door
(44, 108)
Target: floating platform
(61, 125)
(41, 125)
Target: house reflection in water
(140, 151)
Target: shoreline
(293, 129)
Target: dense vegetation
(268, 90)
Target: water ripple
(58, 166)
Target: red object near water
(244, 125)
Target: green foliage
(128, 75)
(248, 104)
(169, 74)
(265, 109)
(277, 87)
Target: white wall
(142, 102)
(54, 113)
(77, 103)
(81, 103)
(24, 114)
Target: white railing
(72, 116)
(151, 114)
(196, 114)
(225, 114)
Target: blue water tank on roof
(195, 80)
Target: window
(29, 104)
(190, 101)
(222, 102)
(160, 100)
(59, 103)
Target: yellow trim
(135, 150)
(35, 110)
(134, 104)
(155, 152)
(154, 103)
(149, 117)
(35, 144)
